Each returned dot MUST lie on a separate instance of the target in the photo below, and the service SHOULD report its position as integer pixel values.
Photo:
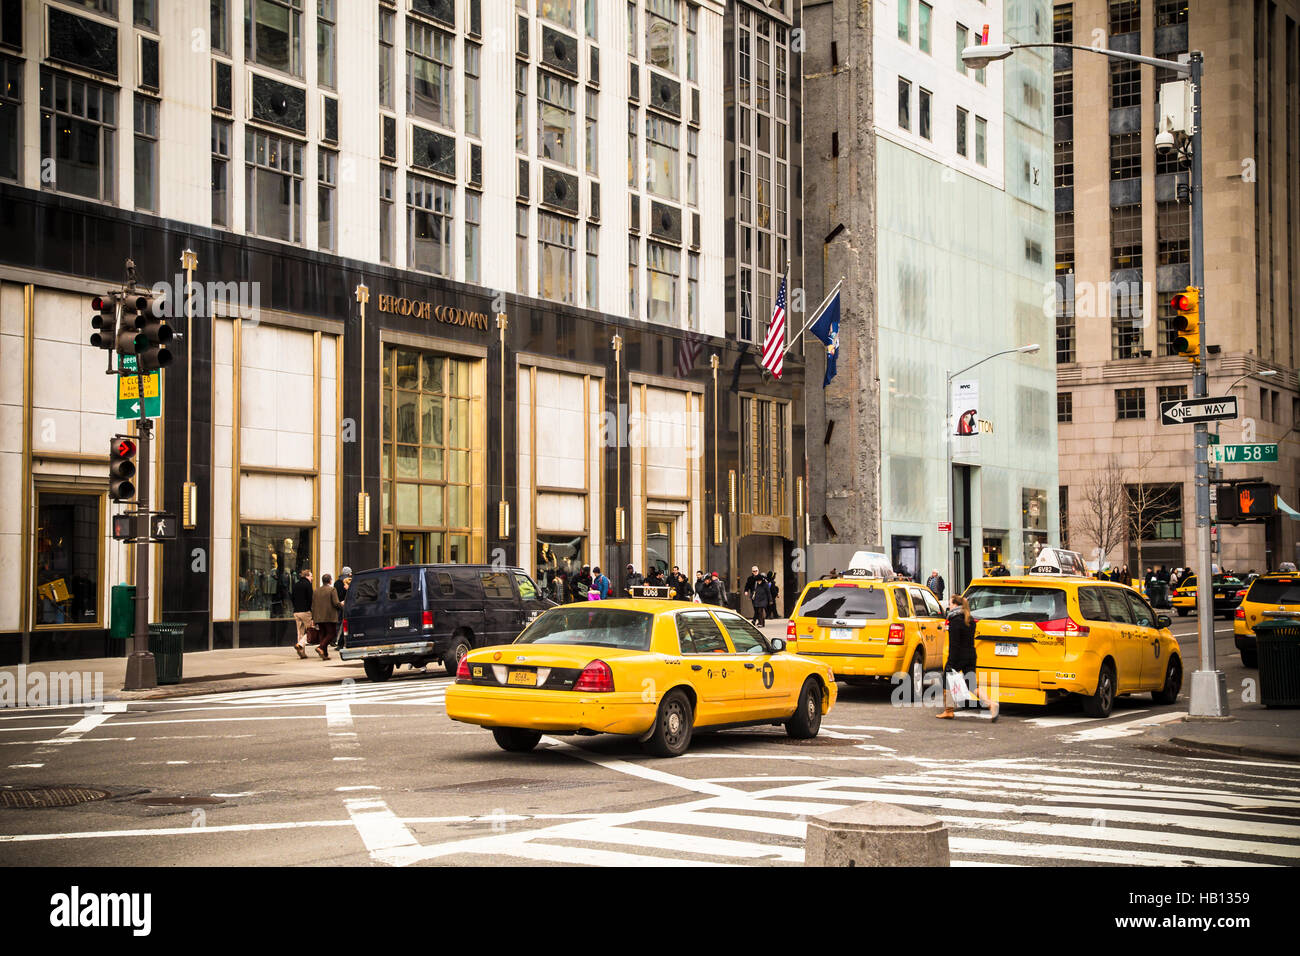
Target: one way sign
(1189, 410)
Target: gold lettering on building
(446, 314)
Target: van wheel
(378, 671)
(455, 655)
(807, 718)
(672, 731)
(1173, 683)
(515, 739)
(1100, 703)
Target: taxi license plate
(841, 634)
(1006, 650)
(401, 622)
(523, 678)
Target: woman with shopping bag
(961, 660)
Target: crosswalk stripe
(553, 853)
(686, 843)
(775, 826)
(1056, 853)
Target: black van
(415, 614)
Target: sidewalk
(1251, 730)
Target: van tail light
(895, 634)
(1064, 627)
(462, 671)
(596, 678)
(345, 627)
(1241, 614)
(426, 620)
(789, 631)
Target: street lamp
(947, 444)
(1209, 695)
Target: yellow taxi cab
(1269, 597)
(1227, 591)
(868, 629)
(1042, 636)
(655, 670)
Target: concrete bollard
(875, 834)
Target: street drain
(30, 798)
(178, 801)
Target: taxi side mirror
(778, 645)
(1163, 621)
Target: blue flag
(827, 328)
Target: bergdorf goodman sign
(445, 314)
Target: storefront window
(69, 539)
(659, 544)
(270, 557)
(995, 546)
(559, 554)
(1033, 507)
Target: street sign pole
(1209, 695)
(141, 669)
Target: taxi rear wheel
(672, 731)
(1168, 694)
(1100, 703)
(1182, 611)
(917, 673)
(807, 718)
(515, 739)
(1249, 658)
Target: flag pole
(815, 314)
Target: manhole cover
(178, 801)
(41, 797)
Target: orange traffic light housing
(1187, 324)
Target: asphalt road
(362, 773)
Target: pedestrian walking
(325, 615)
(960, 665)
(774, 591)
(599, 586)
(700, 582)
(341, 586)
(761, 598)
(935, 584)
(301, 597)
(680, 585)
(634, 579)
(580, 585)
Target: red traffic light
(98, 303)
(1181, 302)
(124, 448)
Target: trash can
(1278, 647)
(167, 645)
(121, 615)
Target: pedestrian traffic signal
(152, 333)
(1256, 500)
(121, 468)
(104, 321)
(1187, 323)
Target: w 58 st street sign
(1190, 410)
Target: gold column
(620, 516)
(27, 547)
(190, 491)
(503, 506)
(363, 499)
(717, 515)
(315, 452)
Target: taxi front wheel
(516, 739)
(807, 718)
(672, 731)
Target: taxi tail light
(596, 678)
(1241, 614)
(1241, 593)
(1065, 627)
(426, 620)
(462, 671)
(789, 631)
(895, 634)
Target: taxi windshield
(995, 603)
(1275, 591)
(594, 626)
(844, 601)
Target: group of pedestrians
(317, 611)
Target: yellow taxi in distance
(1043, 636)
(655, 670)
(1270, 596)
(867, 629)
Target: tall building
(928, 191)
(1123, 251)
(465, 292)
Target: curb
(1236, 750)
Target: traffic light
(1187, 323)
(128, 324)
(152, 333)
(104, 321)
(121, 468)
(1256, 500)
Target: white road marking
(637, 770)
(1127, 729)
(379, 828)
(19, 766)
(883, 730)
(364, 786)
(1048, 851)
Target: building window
(693, 167)
(661, 19)
(1173, 233)
(521, 250)
(923, 14)
(633, 273)
(591, 154)
(905, 20)
(924, 103)
(763, 454)
(631, 30)
(692, 42)
(387, 191)
(664, 266)
(1126, 237)
(631, 147)
(78, 121)
(981, 140)
(1125, 84)
(429, 53)
(1063, 96)
(1165, 331)
(273, 34)
(273, 186)
(556, 245)
(271, 556)
(1064, 407)
(557, 11)
(11, 118)
(1064, 242)
(69, 545)
(472, 51)
(1171, 393)
(1130, 403)
(1063, 164)
(1065, 341)
(1125, 337)
(325, 44)
(1125, 16)
(556, 118)
(963, 120)
(904, 104)
(145, 13)
(220, 23)
(473, 223)
(1063, 23)
(386, 59)
(521, 107)
(593, 267)
(963, 40)
(1063, 507)
(1170, 12)
(146, 153)
(693, 290)
(589, 18)
(1125, 156)
(327, 164)
(429, 215)
(746, 307)
(220, 173)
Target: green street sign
(128, 392)
(1214, 439)
(1243, 454)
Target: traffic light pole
(1209, 695)
(141, 669)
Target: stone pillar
(875, 834)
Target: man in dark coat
(935, 584)
(761, 598)
(301, 597)
(634, 579)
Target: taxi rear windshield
(994, 603)
(1275, 591)
(833, 601)
(594, 626)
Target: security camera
(1165, 142)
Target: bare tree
(1145, 504)
(1103, 516)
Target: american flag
(688, 353)
(774, 343)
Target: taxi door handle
(697, 667)
(749, 667)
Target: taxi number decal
(672, 660)
(722, 673)
(478, 671)
(769, 676)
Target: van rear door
(365, 624)
(401, 605)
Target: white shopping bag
(958, 688)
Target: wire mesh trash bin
(1277, 642)
(167, 645)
